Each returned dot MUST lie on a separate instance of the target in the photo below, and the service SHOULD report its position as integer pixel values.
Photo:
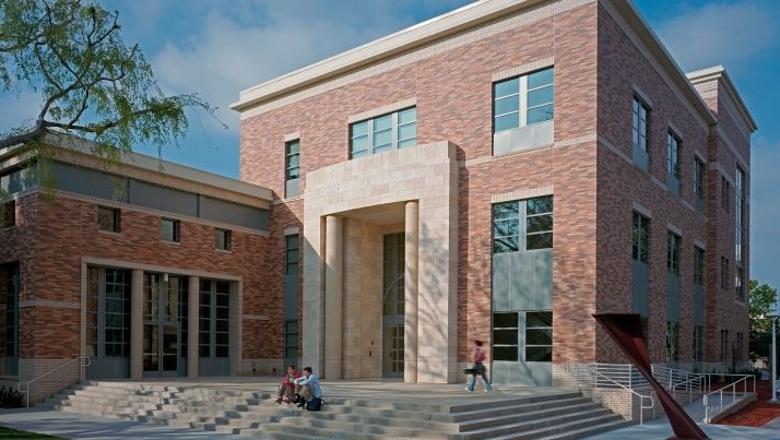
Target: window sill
(171, 243)
(224, 251)
(103, 231)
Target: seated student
(310, 387)
(288, 389)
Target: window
(222, 239)
(535, 90)
(641, 238)
(11, 278)
(698, 266)
(698, 182)
(538, 231)
(117, 313)
(724, 272)
(725, 189)
(393, 130)
(8, 214)
(673, 253)
(292, 157)
(639, 129)
(673, 162)
(739, 283)
(505, 327)
(672, 341)
(109, 219)
(698, 343)
(170, 230)
(740, 342)
(291, 261)
(214, 326)
(739, 214)
(724, 345)
(538, 336)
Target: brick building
(500, 172)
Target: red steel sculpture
(626, 330)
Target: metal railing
(83, 363)
(677, 380)
(720, 395)
(596, 376)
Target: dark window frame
(227, 239)
(175, 230)
(640, 240)
(673, 155)
(8, 214)
(113, 216)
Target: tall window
(698, 182)
(698, 343)
(523, 100)
(382, 133)
(698, 266)
(724, 272)
(673, 253)
(739, 234)
(292, 156)
(214, 315)
(724, 345)
(673, 162)
(109, 219)
(8, 214)
(672, 341)
(725, 190)
(538, 336)
(117, 313)
(505, 340)
(639, 124)
(536, 216)
(641, 238)
(12, 280)
(291, 262)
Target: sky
(219, 47)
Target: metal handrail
(593, 370)
(84, 361)
(733, 387)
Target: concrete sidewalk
(80, 426)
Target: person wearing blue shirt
(310, 387)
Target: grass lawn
(8, 433)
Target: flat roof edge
(720, 73)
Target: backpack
(315, 404)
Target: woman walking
(478, 369)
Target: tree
(92, 84)
(762, 297)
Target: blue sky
(219, 47)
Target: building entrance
(393, 306)
(164, 303)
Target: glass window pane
(538, 336)
(539, 223)
(539, 319)
(539, 241)
(505, 244)
(541, 114)
(540, 96)
(408, 115)
(382, 138)
(505, 320)
(506, 210)
(505, 337)
(407, 131)
(509, 104)
(359, 129)
(503, 228)
(507, 87)
(293, 147)
(539, 205)
(407, 143)
(507, 122)
(538, 354)
(359, 143)
(505, 354)
(540, 78)
(383, 123)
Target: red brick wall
(64, 230)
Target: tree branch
(35, 133)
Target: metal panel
(673, 183)
(89, 182)
(523, 138)
(109, 368)
(163, 198)
(214, 366)
(641, 158)
(502, 269)
(522, 280)
(672, 297)
(641, 287)
(233, 213)
(291, 188)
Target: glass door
(393, 306)
(161, 325)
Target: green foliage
(92, 84)
(10, 397)
(762, 296)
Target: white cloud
(720, 33)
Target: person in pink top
(478, 369)
(288, 388)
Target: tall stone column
(137, 324)
(193, 326)
(412, 238)
(334, 246)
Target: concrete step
(292, 431)
(348, 427)
(550, 429)
(531, 426)
(509, 408)
(589, 430)
(545, 413)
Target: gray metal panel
(214, 366)
(523, 138)
(233, 213)
(502, 269)
(109, 368)
(89, 182)
(162, 198)
(641, 287)
(291, 187)
(673, 184)
(641, 158)
(672, 297)
(291, 293)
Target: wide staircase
(556, 414)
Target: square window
(222, 239)
(108, 219)
(8, 214)
(170, 230)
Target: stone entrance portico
(348, 207)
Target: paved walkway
(80, 426)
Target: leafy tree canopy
(92, 84)
(762, 296)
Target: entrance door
(161, 325)
(393, 306)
